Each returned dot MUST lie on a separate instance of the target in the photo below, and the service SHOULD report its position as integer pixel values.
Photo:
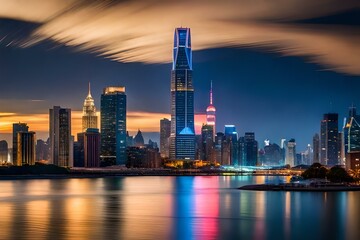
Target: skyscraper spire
(89, 93)
(211, 94)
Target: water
(172, 208)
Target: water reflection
(171, 208)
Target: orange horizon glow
(145, 121)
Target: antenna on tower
(89, 93)
(211, 93)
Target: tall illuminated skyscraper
(329, 139)
(89, 118)
(113, 126)
(211, 113)
(61, 143)
(182, 138)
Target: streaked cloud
(142, 31)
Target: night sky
(275, 71)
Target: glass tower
(182, 138)
(113, 126)
(329, 139)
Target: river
(186, 207)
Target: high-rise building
(92, 148)
(251, 149)
(4, 150)
(329, 139)
(232, 137)
(290, 153)
(316, 148)
(61, 144)
(17, 127)
(113, 126)
(25, 148)
(351, 136)
(211, 113)
(42, 150)
(182, 138)
(89, 118)
(165, 129)
(207, 143)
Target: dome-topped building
(89, 118)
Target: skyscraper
(329, 139)
(316, 146)
(17, 127)
(232, 137)
(25, 148)
(91, 148)
(351, 136)
(182, 138)
(113, 126)
(60, 137)
(251, 149)
(211, 113)
(165, 129)
(89, 118)
(290, 153)
(207, 143)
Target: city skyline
(256, 87)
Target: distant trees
(335, 174)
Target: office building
(17, 127)
(113, 126)
(207, 143)
(182, 137)
(61, 143)
(165, 129)
(316, 148)
(251, 149)
(25, 149)
(232, 138)
(329, 140)
(290, 153)
(89, 118)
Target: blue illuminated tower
(182, 137)
(113, 126)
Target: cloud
(142, 31)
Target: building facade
(182, 137)
(17, 127)
(25, 148)
(165, 129)
(329, 147)
(113, 126)
(89, 118)
(61, 143)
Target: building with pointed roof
(89, 118)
